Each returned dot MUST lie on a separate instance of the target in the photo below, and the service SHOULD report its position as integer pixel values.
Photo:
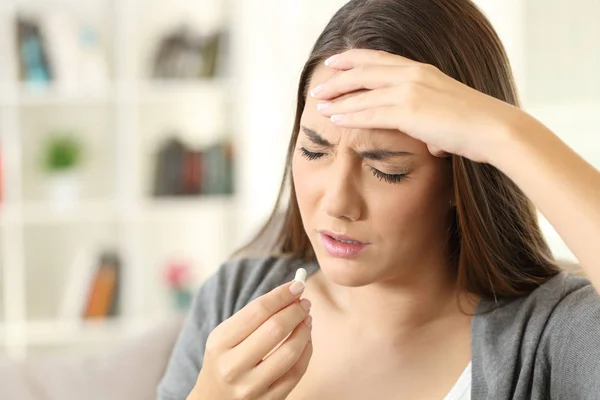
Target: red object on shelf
(178, 274)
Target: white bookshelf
(121, 124)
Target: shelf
(41, 213)
(184, 207)
(29, 95)
(215, 89)
(152, 91)
(122, 120)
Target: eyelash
(389, 178)
(310, 155)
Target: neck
(398, 308)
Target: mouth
(342, 238)
(341, 246)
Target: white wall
(275, 38)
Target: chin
(351, 272)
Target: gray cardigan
(542, 346)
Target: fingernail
(336, 118)
(330, 60)
(296, 288)
(308, 321)
(323, 106)
(305, 303)
(317, 90)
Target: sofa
(126, 370)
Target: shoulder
(546, 300)
(560, 304)
(573, 328)
(558, 299)
(512, 338)
(520, 322)
(239, 281)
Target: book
(103, 292)
(33, 59)
(181, 170)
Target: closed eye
(389, 178)
(310, 155)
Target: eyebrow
(315, 137)
(374, 154)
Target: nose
(342, 199)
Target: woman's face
(380, 189)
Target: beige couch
(129, 370)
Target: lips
(341, 246)
(342, 238)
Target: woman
(411, 169)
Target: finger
(360, 101)
(264, 339)
(284, 385)
(385, 117)
(355, 57)
(282, 361)
(437, 152)
(238, 327)
(364, 77)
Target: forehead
(363, 137)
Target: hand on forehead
(314, 120)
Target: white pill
(300, 275)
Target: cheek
(305, 191)
(412, 212)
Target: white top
(462, 388)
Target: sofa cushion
(130, 370)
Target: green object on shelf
(182, 298)
(63, 152)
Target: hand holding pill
(260, 352)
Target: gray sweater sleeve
(571, 345)
(186, 358)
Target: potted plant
(62, 159)
(178, 278)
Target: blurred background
(142, 142)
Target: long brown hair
(497, 247)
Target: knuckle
(212, 343)
(260, 309)
(422, 72)
(290, 353)
(411, 92)
(359, 100)
(418, 73)
(227, 372)
(242, 392)
(380, 55)
(360, 69)
(275, 328)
